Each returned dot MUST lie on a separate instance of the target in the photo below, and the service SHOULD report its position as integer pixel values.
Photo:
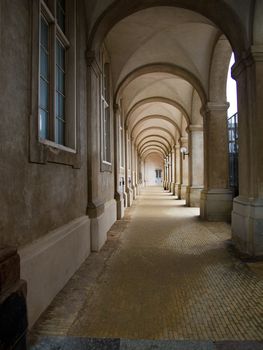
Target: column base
(194, 196)
(247, 226)
(173, 190)
(185, 193)
(178, 190)
(165, 186)
(134, 191)
(129, 197)
(216, 205)
(120, 208)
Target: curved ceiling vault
(160, 59)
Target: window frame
(42, 150)
(105, 105)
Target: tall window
(53, 51)
(105, 111)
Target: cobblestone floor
(163, 274)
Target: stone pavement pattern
(163, 274)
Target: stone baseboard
(48, 263)
(100, 225)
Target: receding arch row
(167, 68)
(158, 99)
(154, 149)
(155, 128)
(161, 117)
(154, 145)
(147, 153)
(162, 138)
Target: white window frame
(44, 150)
(105, 112)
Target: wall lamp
(184, 152)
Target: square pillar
(247, 215)
(216, 198)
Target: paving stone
(75, 343)
(164, 275)
(246, 345)
(165, 345)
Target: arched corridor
(163, 274)
(119, 157)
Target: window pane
(43, 124)
(60, 126)
(44, 33)
(60, 92)
(60, 80)
(43, 94)
(44, 64)
(60, 55)
(60, 106)
(61, 14)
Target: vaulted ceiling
(161, 59)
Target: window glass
(61, 14)
(60, 92)
(44, 79)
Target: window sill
(45, 151)
(106, 167)
(57, 145)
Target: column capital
(92, 61)
(196, 127)
(215, 106)
(248, 58)
(184, 140)
(116, 108)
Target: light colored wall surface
(152, 163)
(35, 199)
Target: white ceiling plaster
(162, 35)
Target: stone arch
(151, 152)
(157, 128)
(157, 137)
(219, 69)
(218, 11)
(153, 142)
(158, 99)
(149, 117)
(162, 68)
(144, 147)
(153, 149)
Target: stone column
(216, 198)
(127, 162)
(185, 171)
(170, 163)
(247, 215)
(196, 164)
(173, 171)
(133, 188)
(166, 171)
(118, 195)
(136, 189)
(178, 174)
(13, 315)
(95, 205)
